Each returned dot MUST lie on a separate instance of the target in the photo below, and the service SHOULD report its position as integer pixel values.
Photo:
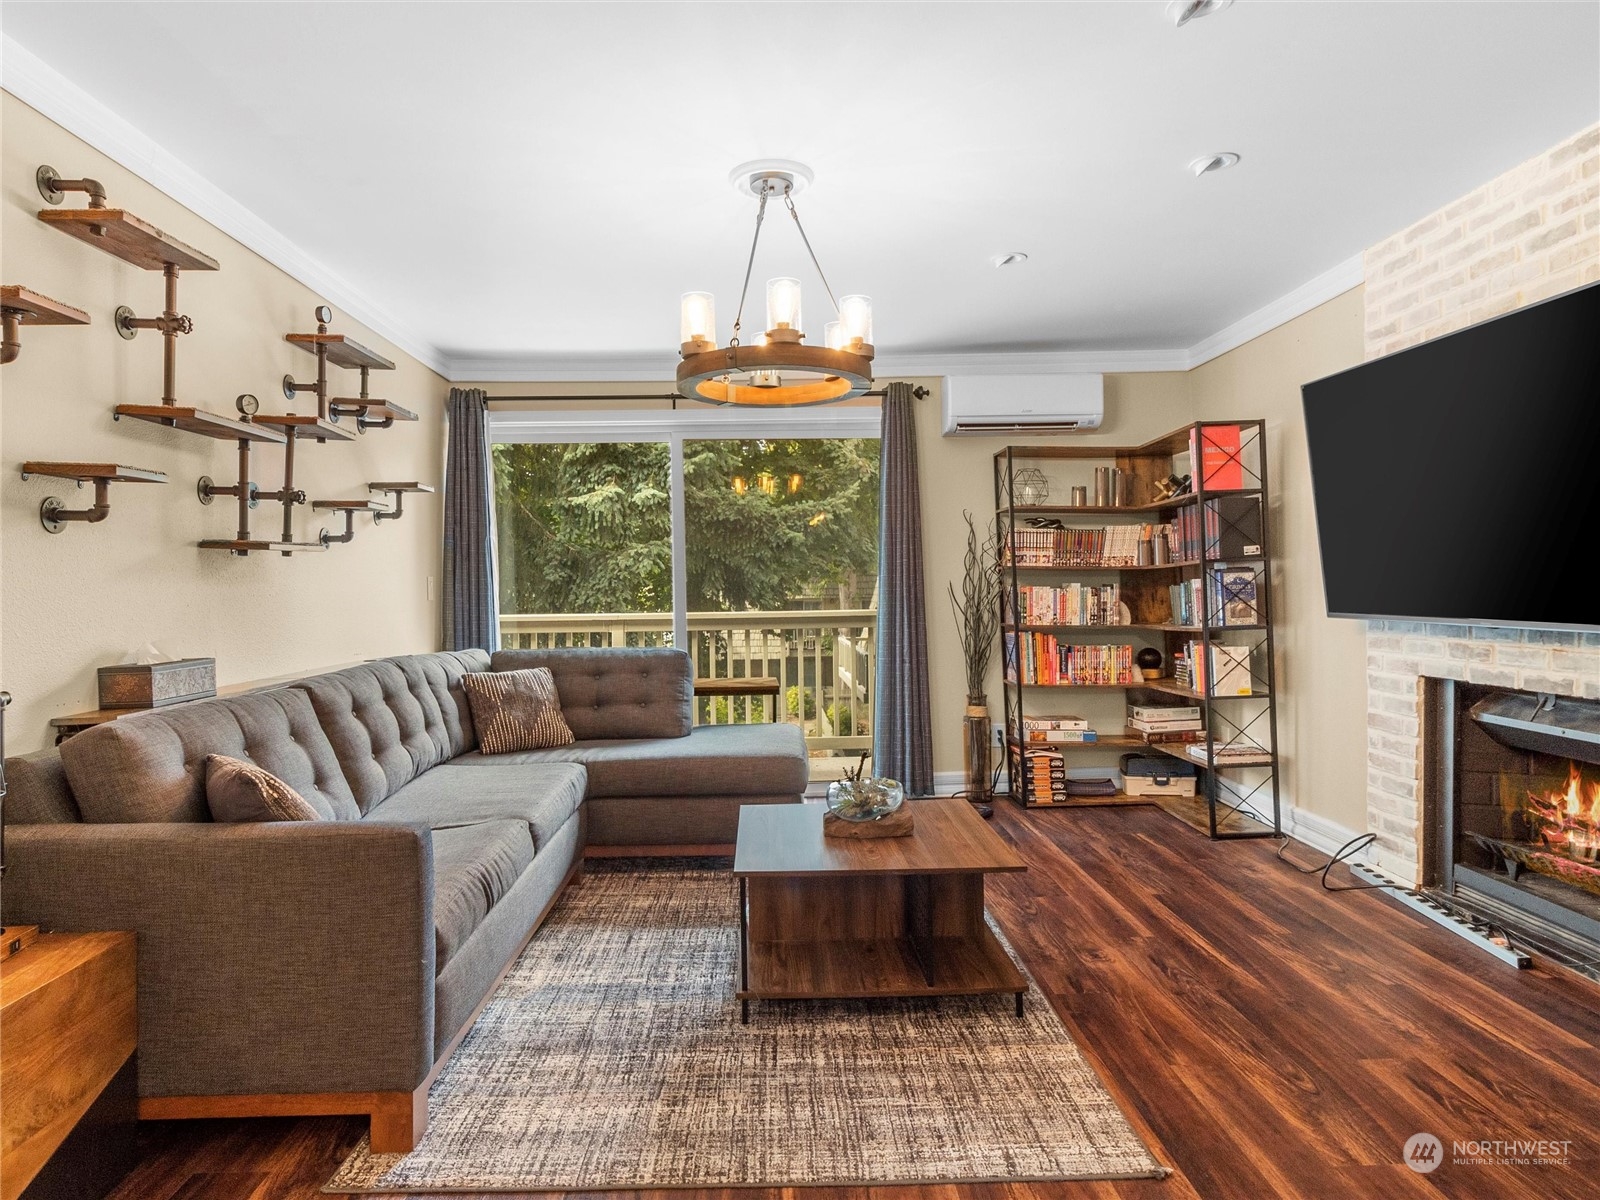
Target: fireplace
(1514, 806)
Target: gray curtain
(471, 609)
(902, 745)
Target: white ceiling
(536, 184)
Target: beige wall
(1321, 661)
(92, 594)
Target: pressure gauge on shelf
(324, 314)
(247, 405)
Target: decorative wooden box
(152, 685)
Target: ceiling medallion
(773, 369)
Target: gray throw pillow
(241, 791)
(516, 710)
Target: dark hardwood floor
(1268, 1038)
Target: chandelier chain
(750, 264)
(795, 213)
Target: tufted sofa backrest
(629, 692)
(151, 766)
(440, 674)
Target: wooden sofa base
(397, 1119)
(717, 850)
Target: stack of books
(1061, 730)
(1166, 722)
(1044, 774)
(1230, 756)
(1110, 546)
(1230, 599)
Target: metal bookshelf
(1238, 794)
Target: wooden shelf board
(376, 410)
(342, 352)
(1106, 741)
(305, 426)
(1078, 687)
(197, 420)
(1174, 689)
(1056, 510)
(1171, 566)
(348, 506)
(409, 486)
(128, 238)
(1192, 811)
(35, 309)
(864, 967)
(85, 472)
(262, 546)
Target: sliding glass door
(750, 541)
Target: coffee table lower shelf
(863, 968)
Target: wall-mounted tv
(1459, 480)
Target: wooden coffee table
(842, 918)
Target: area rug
(612, 1057)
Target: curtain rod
(918, 393)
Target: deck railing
(823, 661)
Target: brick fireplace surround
(1530, 234)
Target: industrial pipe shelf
(195, 420)
(19, 306)
(53, 511)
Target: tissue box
(152, 685)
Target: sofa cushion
(240, 791)
(516, 710)
(714, 760)
(541, 795)
(630, 692)
(384, 723)
(37, 792)
(473, 867)
(441, 674)
(150, 766)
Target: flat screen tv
(1459, 481)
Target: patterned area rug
(612, 1057)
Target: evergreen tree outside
(586, 528)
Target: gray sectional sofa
(331, 966)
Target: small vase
(975, 749)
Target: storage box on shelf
(1087, 586)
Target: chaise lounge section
(331, 966)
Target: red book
(1219, 463)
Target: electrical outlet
(1000, 736)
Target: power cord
(1360, 842)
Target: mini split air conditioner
(1001, 404)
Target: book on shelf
(1107, 546)
(1039, 658)
(1160, 737)
(1165, 726)
(1215, 457)
(1071, 604)
(1233, 527)
(1161, 713)
(1057, 730)
(1043, 774)
(1229, 667)
(1236, 596)
(1239, 755)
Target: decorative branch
(977, 606)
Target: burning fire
(1567, 820)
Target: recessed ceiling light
(1181, 12)
(1009, 260)
(1208, 163)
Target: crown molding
(1335, 281)
(42, 87)
(623, 366)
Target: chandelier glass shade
(775, 369)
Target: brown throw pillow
(241, 791)
(516, 710)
